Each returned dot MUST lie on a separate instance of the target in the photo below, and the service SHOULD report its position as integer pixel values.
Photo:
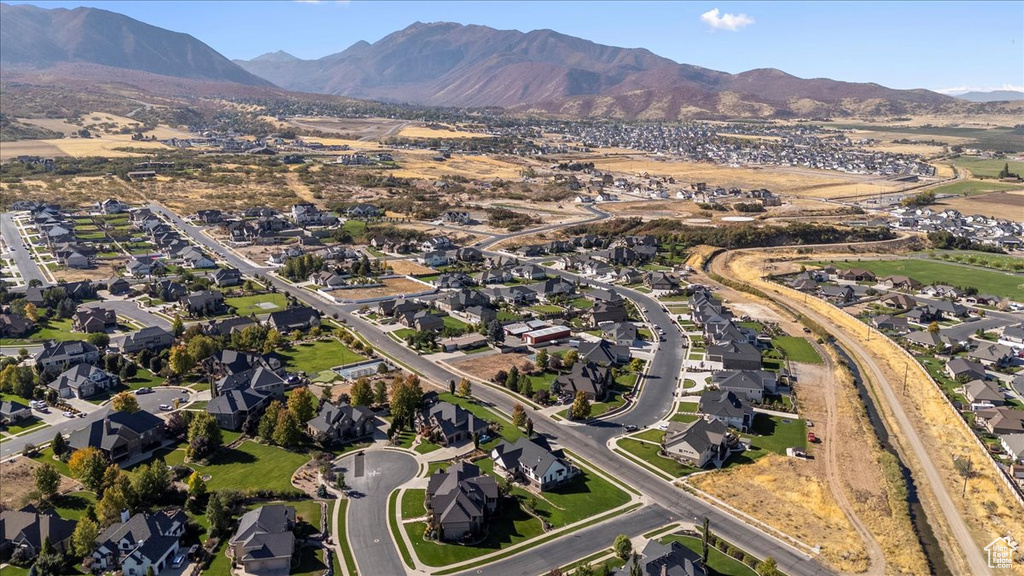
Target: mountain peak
(279, 56)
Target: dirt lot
(392, 287)
(994, 204)
(102, 271)
(484, 366)
(409, 267)
(18, 480)
(368, 129)
(418, 131)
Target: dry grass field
(103, 146)
(419, 164)
(391, 287)
(791, 496)
(409, 267)
(364, 129)
(485, 366)
(989, 509)
(994, 204)
(421, 131)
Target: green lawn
(357, 228)
(771, 434)
(46, 455)
(53, 329)
(236, 469)
(350, 561)
(72, 506)
(144, 379)
(976, 258)
(987, 167)
(426, 447)
(403, 333)
(509, 526)
(652, 435)
(719, 563)
(930, 272)
(314, 357)
(582, 303)
(546, 309)
(30, 423)
(649, 453)
(506, 316)
(310, 562)
(412, 503)
(392, 512)
(453, 322)
(797, 349)
(257, 304)
(973, 187)
(623, 384)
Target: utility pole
(906, 368)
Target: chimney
(125, 515)
(664, 570)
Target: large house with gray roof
(461, 499)
(122, 436)
(534, 462)
(84, 381)
(697, 443)
(264, 542)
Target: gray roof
(29, 527)
(743, 379)
(235, 401)
(533, 454)
(114, 429)
(700, 434)
(724, 404)
(266, 532)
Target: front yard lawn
(412, 503)
(718, 562)
(797, 349)
(649, 453)
(257, 304)
(236, 469)
(546, 309)
(314, 357)
(775, 434)
(453, 322)
(53, 329)
(509, 526)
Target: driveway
(367, 519)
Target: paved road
(22, 257)
(587, 441)
(129, 309)
(369, 538)
(148, 402)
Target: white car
(69, 414)
(164, 407)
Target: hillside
(36, 38)
(993, 96)
(447, 64)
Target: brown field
(419, 131)
(800, 505)
(19, 481)
(104, 270)
(781, 180)
(418, 164)
(77, 147)
(364, 129)
(409, 267)
(485, 366)
(391, 287)
(994, 204)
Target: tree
(88, 465)
(287, 432)
(705, 535)
(580, 409)
(181, 362)
(768, 567)
(518, 415)
(151, 482)
(31, 312)
(361, 392)
(217, 514)
(465, 388)
(204, 436)
(570, 358)
(526, 385)
(555, 363)
(59, 445)
(196, 488)
(512, 380)
(635, 567)
(83, 540)
(47, 480)
(406, 396)
(275, 340)
(495, 332)
(636, 365)
(109, 508)
(302, 404)
(933, 328)
(177, 327)
(99, 339)
(623, 547)
(201, 346)
(380, 392)
(542, 359)
(269, 421)
(125, 402)
(529, 427)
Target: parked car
(812, 438)
(145, 390)
(178, 561)
(629, 427)
(69, 414)
(165, 407)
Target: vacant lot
(257, 304)
(236, 469)
(391, 287)
(19, 481)
(415, 131)
(987, 282)
(409, 267)
(315, 357)
(484, 366)
(797, 349)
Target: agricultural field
(975, 187)
(929, 272)
(992, 204)
(987, 167)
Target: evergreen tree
(518, 415)
(217, 514)
(59, 445)
(380, 393)
(361, 393)
(580, 409)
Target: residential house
(68, 353)
(1013, 336)
(697, 443)
(227, 277)
(203, 303)
(895, 324)
(301, 318)
(992, 355)
(149, 338)
(461, 499)
(726, 406)
(363, 211)
(122, 436)
(621, 333)
(12, 412)
(604, 353)
(451, 424)
(963, 369)
(456, 217)
(749, 384)
(341, 423)
(436, 243)
(1013, 445)
(1001, 420)
(434, 258)
(734, 356)
(669, 559)
(495, 276)
(983, 394)
(529, 272)
(15, 326)
(84, 381)
(897, 282)
(231, 408)
(534, 462)
(553, 288)
(657, 280)
(119, 286)
(900, 301)
(591, 379)
(264, 541)
(836, 294)
(855, 275)
(259, 378)
(139, 542)
(91, 320)
(27, 529)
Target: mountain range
(437, 64)
(992, 96)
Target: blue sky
(935, 45)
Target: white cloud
(732, 22)
(953, 91)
